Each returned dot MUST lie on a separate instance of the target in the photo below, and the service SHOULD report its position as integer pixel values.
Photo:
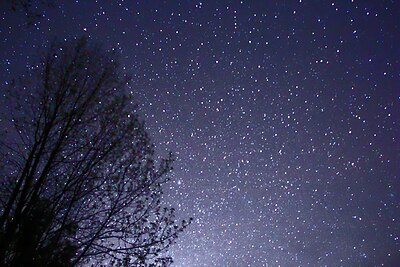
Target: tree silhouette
(81, 184)
(33, 9)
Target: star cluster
(283, 116)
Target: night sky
(283, 116)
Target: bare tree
(81, 185)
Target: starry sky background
(283, 116)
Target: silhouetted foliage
(81, 185)
(33, 9)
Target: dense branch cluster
(33, 9)
(81, 186)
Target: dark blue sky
(283, 115)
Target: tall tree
(81, 185)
